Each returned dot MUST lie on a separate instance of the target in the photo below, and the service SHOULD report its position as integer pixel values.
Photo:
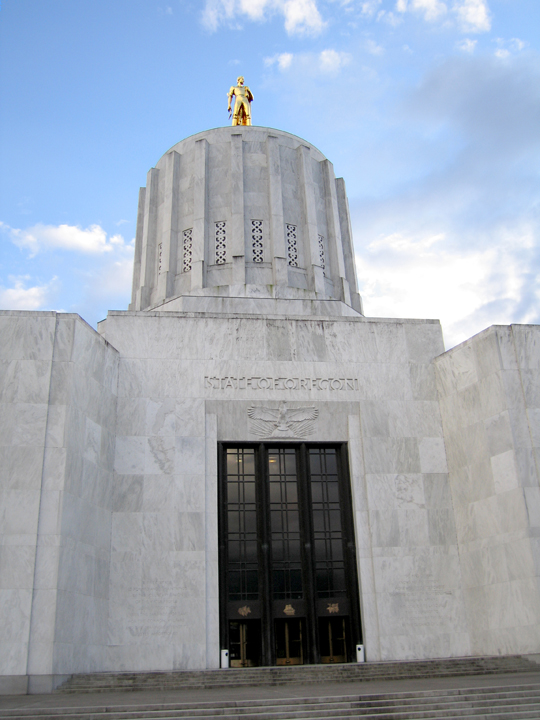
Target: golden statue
(242, 104)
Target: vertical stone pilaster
(364, 549)
(278, 250)
(335, 248)
(347, 244)
(311, 238)
(211, 544)
(168, 239)
(149, 239)
(138, 250)
(200, 215)
(237, 235)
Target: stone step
(306, 674)
(520, 702)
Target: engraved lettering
(258, 382)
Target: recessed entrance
(288, 581)
(289, 642)
(333, 634)
(244, 643)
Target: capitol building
(244, 468)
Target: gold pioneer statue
(242, 104)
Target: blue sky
(430, 110)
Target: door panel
(333, 639)
(289, 641)
(244, 643)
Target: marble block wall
(159, 546)
(186, 383)
(404, 510)
(489, 390)
(26, 349)
(59, 415)
(108, 481)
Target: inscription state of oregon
(265, 382)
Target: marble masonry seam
(37, 553)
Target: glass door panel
(244, 643)
(333, 639)
(289, 642)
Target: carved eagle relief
(283, 422)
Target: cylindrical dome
(244, 212)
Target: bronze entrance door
(287, 558)
(289, 642)
(333, 636)
(244, 643)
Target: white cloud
(114, 280)
(454, 231)
(330, 61)
(509, 47)
(467, 290)
(374, 49)
(467, 45)
(369, 7)
(93, 240)
(20, 297)
(432, 9)
(283, 60)
(473, 15)
(301, 16)
(389, 17)
(518, 45)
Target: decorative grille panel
(322, 258)
(187, 249)
(292, 245)
(257, 240)
(221, 243)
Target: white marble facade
(108, 468)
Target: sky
(430, 110)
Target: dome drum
(250, 213)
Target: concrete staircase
(303, 674)
(517, 702)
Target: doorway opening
(287, 557)
(289, 642)
(333, 634)
(244, 643)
